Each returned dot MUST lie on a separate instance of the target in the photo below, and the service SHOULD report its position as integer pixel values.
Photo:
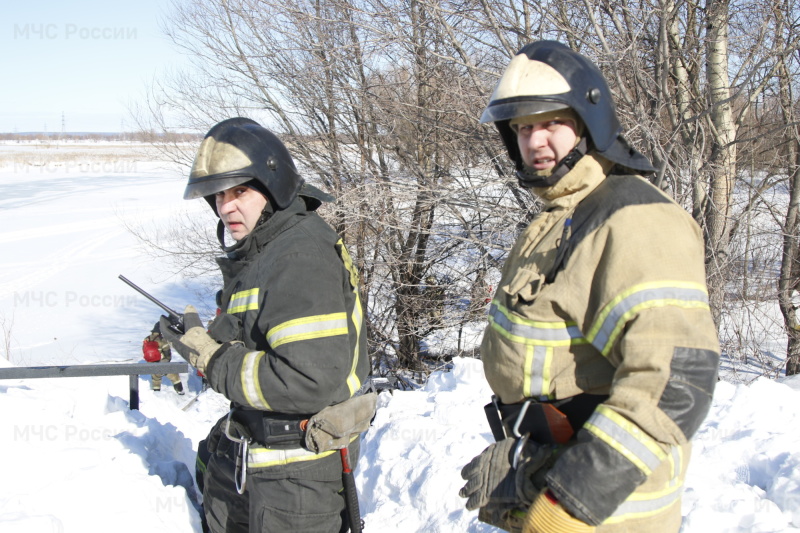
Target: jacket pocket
(524, 287)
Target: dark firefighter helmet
(239, 150)
(548, 76)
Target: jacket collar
(576, 185)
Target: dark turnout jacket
(292, 320)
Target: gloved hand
(546, 515)
(491, 478)
(196, 346)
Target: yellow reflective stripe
(676, 463)
(244, 301)
(614, 315)
(264, 457)
(626, 438)
(348, 263)
(200, 464)
(524, 331)
(536, 373)
(251, 386)
(353, 383)
(645, 504)
(310, 327)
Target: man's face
(543, 144)
(240, 208)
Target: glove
(546, 515)
(491, 478)
(196, 346)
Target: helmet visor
(199, 187)
(518, 107)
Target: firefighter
(155, 350)
(288, 347)
(600, 348)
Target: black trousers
(304, 496)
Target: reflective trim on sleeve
(524, 331)
(619, 311)
(310, 327)
(645, 504)
(626, 438)
(244, 301)
(251, 387)
(642, 505)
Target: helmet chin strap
(529, 177)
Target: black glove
(493, 479)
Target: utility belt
(272, 430)
(280, 438)
(549, 422)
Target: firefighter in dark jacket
(600, 347)
(288, 348)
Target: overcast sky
(87, 59)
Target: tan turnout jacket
(627, 316)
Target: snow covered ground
(76, 459)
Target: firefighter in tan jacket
(600, 347)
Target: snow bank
(75, 456)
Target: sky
(86, 60)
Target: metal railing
(134, 370)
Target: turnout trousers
(304, 496)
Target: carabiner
(518, 449)
(240, 472)
(240, 475)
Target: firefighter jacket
(292, 323)
(604, 293)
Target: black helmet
(548, 76)
(236, 151)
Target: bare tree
(789, 279)
(378, 101)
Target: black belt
(546, 422)
(274, 430)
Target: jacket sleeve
(647, 312)
(305, 329)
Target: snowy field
(77, 460)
